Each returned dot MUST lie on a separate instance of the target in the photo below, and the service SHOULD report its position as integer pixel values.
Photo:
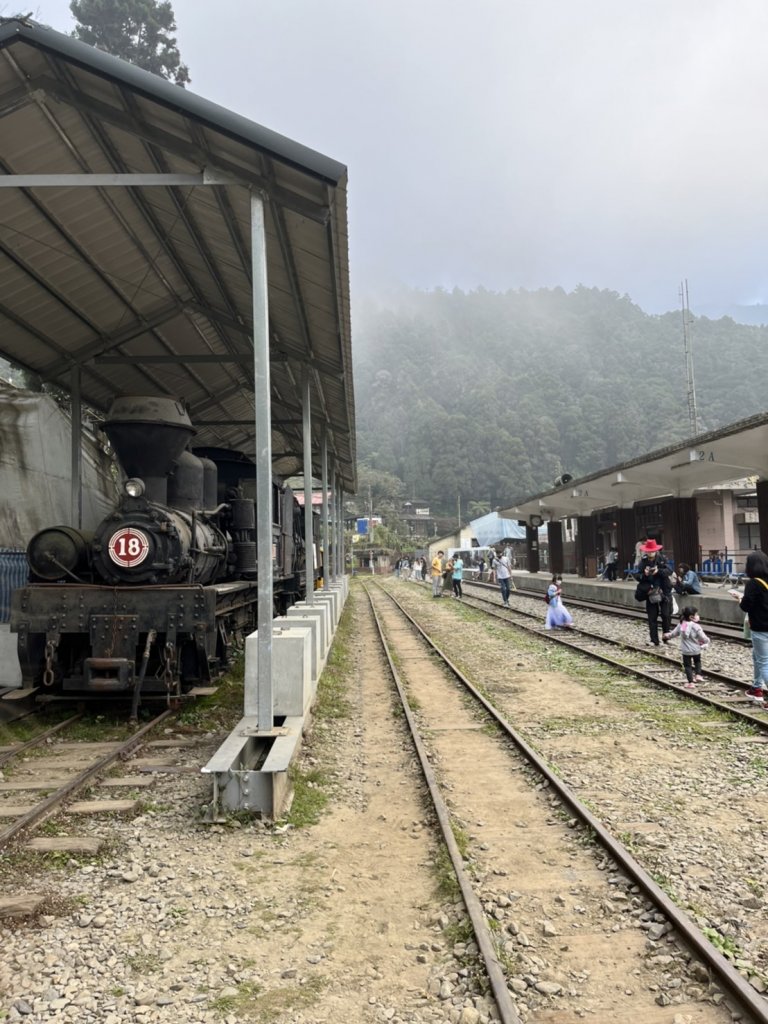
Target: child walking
(693, 640)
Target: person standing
(458, 572)
(437, 574)
(655, 588)
(693, 640)
(610, 565)
(755, 604)
(503, 571)
(448, 575)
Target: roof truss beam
(173, 144)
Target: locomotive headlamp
(134, 487)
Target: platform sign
(128, 547)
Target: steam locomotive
(150, 604)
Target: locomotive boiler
(150, 604)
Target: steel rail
(504, 1002)
(697, 942)
(37, 740)
(50, 803)
(560, 638)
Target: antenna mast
(688, 349)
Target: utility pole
(693, 418)
(458, 509)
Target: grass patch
(219, 711)
(724, 944)
(143, 963)
(447, 883)
(462, 839)
(332, 703)
(310, 796)
(266, 1007)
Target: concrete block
(341, 590)
(310, 619)
(291, 662)
(324, 613)
(331, 598)
(312, 625)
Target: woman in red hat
(655, 588)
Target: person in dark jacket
(655, 588)
(755, 604)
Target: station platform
(715, 604)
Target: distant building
(415, 516)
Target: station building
(705, 499)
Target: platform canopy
(142, 284)
(733, 452)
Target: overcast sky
(516, 143)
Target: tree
(136, 30)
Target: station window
(749, 536)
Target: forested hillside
(491, 396)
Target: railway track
(529, 835)
(729, 634)
(52, 780)
(718, 689)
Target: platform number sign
(128, 547)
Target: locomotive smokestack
(148, 435)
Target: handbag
(655, 596)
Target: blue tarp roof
(491, 529)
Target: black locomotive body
(150, 603)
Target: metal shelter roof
(148, 289)
(735, 451)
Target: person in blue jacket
(688, 581)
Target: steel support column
(261, 702)
(555, 539)
(332, 531)
(306, 426)
(326, 553)
(76, 476)
(337, 561)
(342, 544)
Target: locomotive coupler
(108, 673)
(50, 654)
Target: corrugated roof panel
(128, 260)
